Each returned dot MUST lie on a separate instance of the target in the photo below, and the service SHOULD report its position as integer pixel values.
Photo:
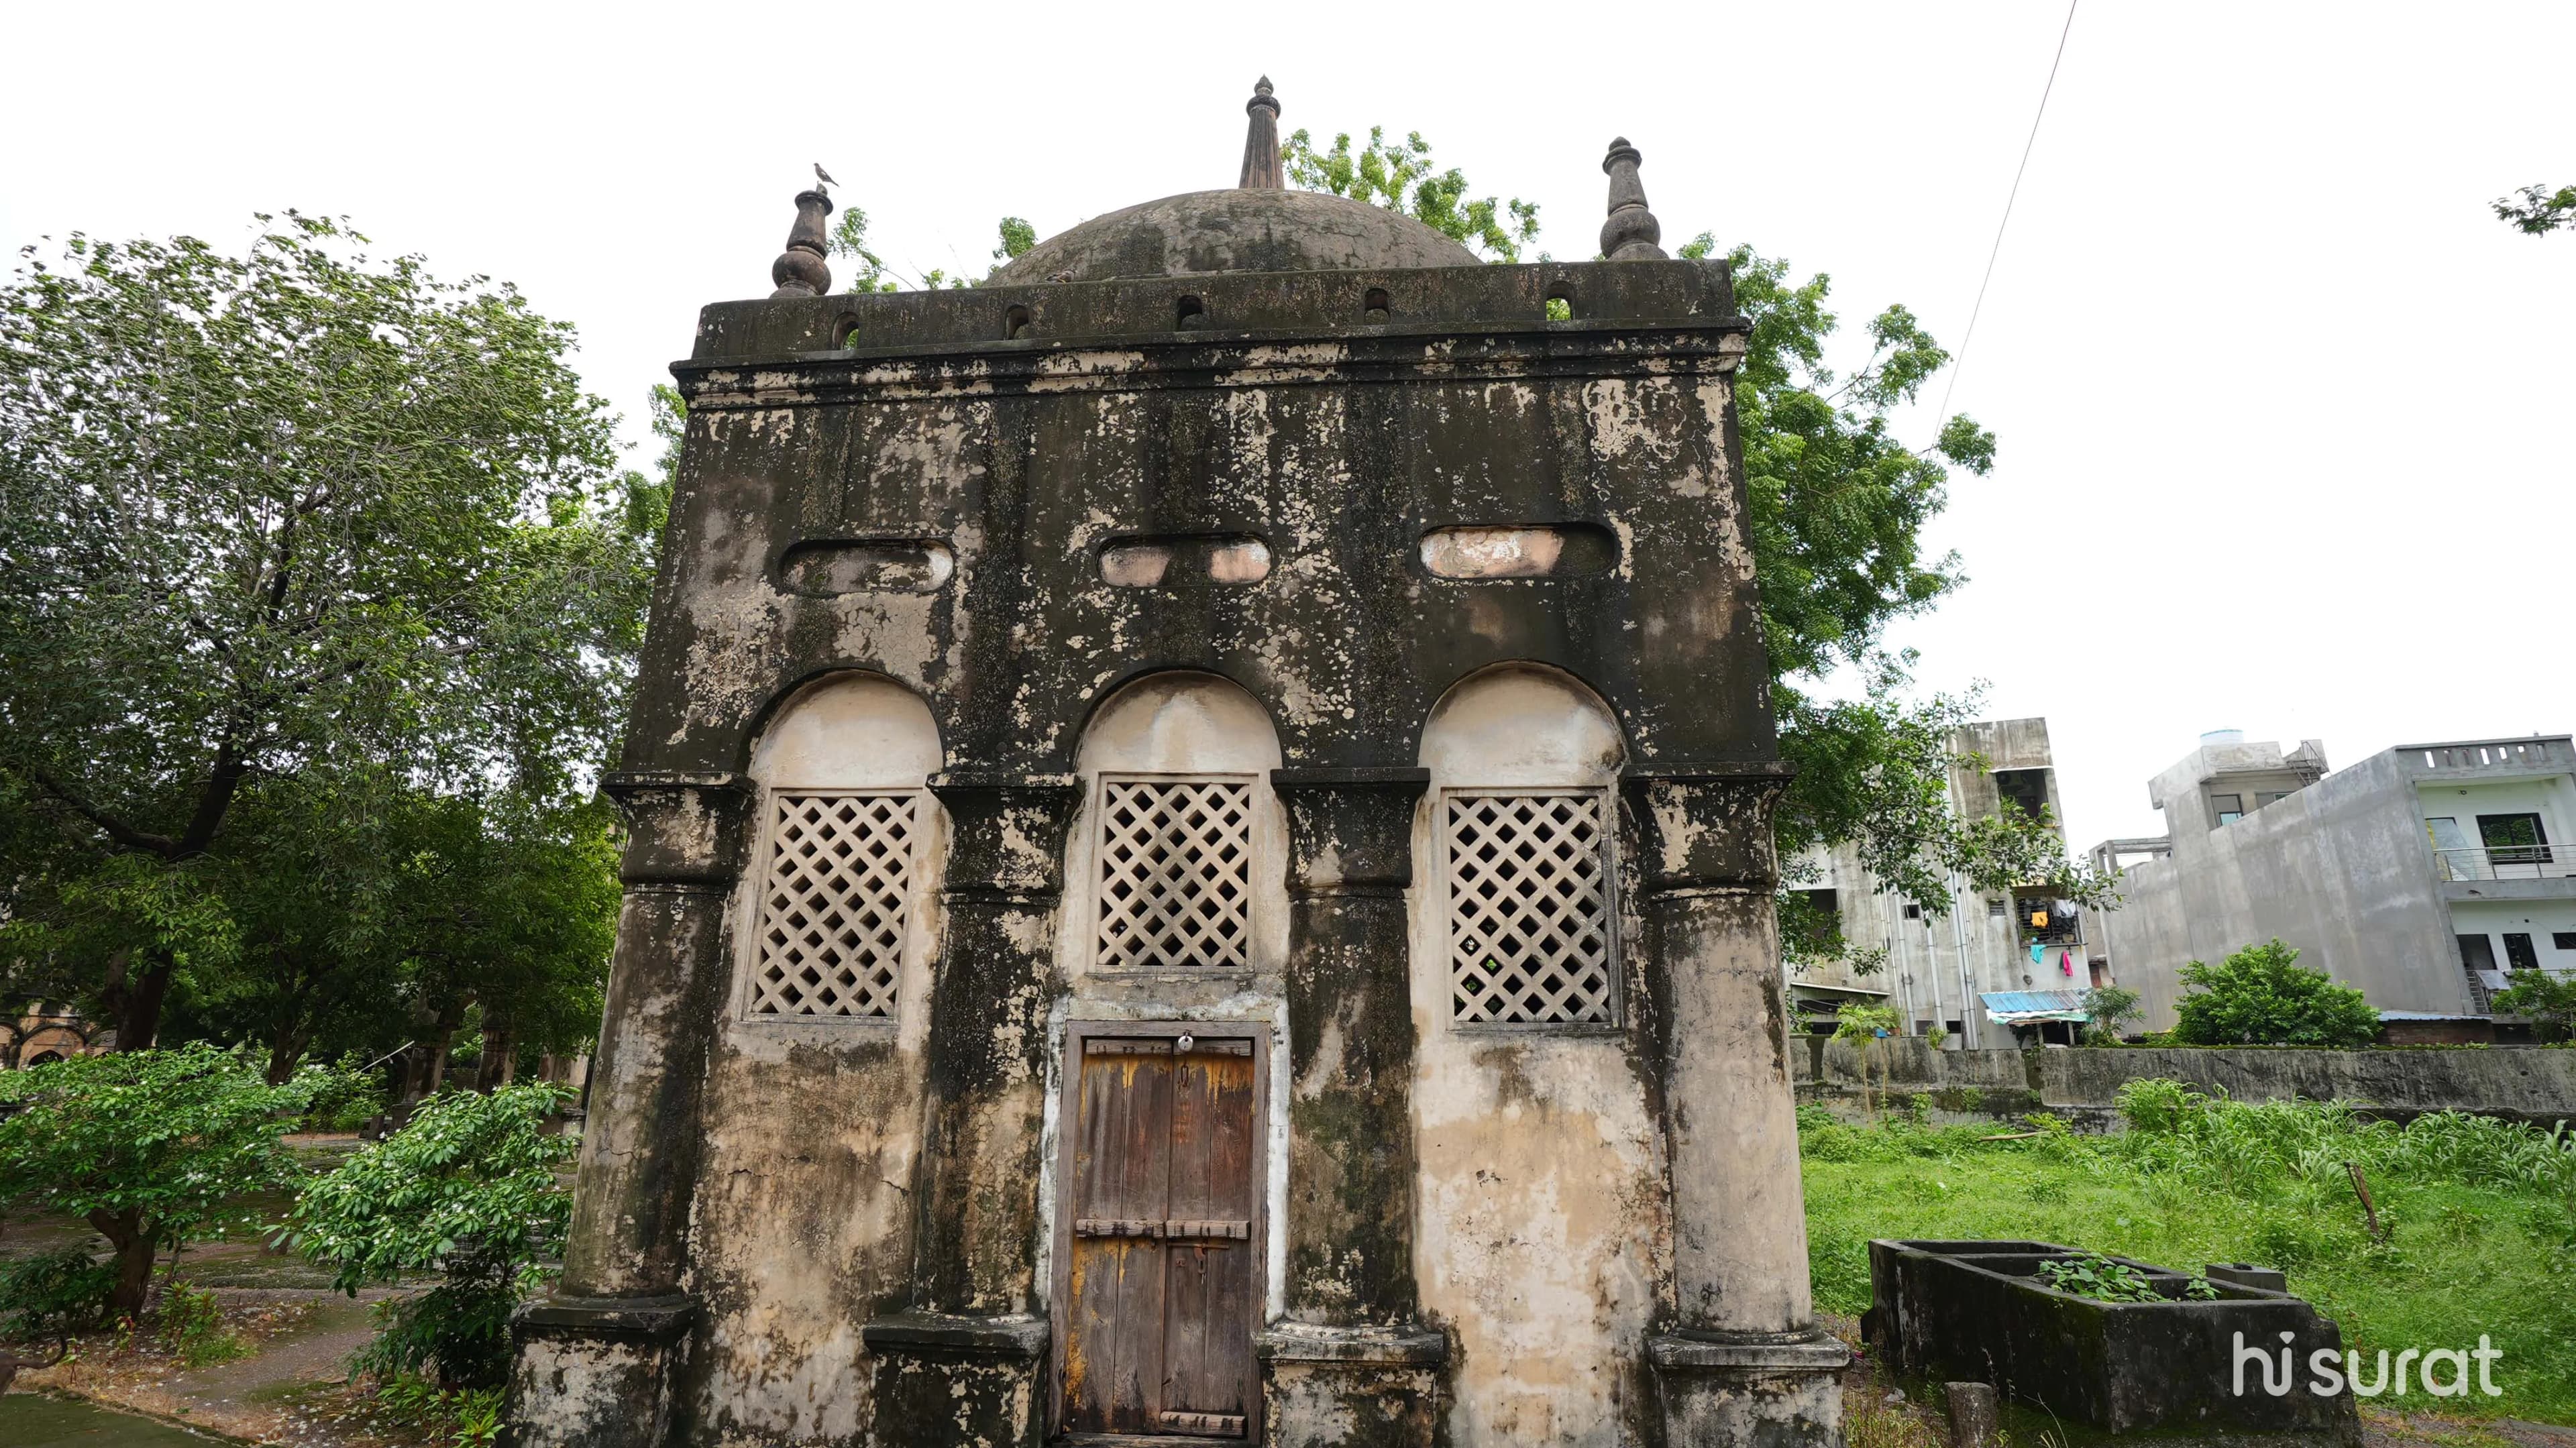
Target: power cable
(1959, 363)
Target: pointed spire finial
(1261, 171)
(1632, 231)
(800, 270)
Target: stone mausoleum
(1201, 866)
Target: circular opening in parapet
(1560, 305)
(1376, 302)
(1189, 312)
(845, 330)
(1015, 321)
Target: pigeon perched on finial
(824, 176)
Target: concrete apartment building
(1938, 966)
(2422, 875)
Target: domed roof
(1236, 230)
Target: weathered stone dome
(1235, 230)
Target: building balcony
(2507, 872)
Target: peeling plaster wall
(812, 1124)
(1544, 1239)
(1337, 441)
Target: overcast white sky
(2285, 413)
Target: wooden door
(1161, 1287)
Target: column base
(1750, 1390)
(959, 1380)
(1336, 1387)
(596, 1372)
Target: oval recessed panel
(1554, 550)
(1180, 561)
(825, 567)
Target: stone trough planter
(1976, 1311)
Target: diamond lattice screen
(833, 905)
(1175, 873)
(1529, 908)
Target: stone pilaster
(1744, 1361)
(966, 1360)
(1350, 1363)
(596, 1361)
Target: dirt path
(292, 1389)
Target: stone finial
(1632, 231)
(800, 270)
(1261, 170)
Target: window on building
(2513, 839)
(1824, 916)
(2024, 789)
(1996, 909)
(2518, 954)
(2563, 940)
(1529, 906)
(2263, 797)
(1913, 911)
(834, 899)
(1175, 874)
(2229, 808)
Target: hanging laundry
(2036, 951)
(2066, 962)
(2039, 920)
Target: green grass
(2479, 1218)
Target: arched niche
(1518, 851)
(1540, 1190)
(1175, 770)
(837, 908)
(1522, 724)
(849, 731)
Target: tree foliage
(302, 516)
(2548, 1000)
(2261, 996)
(145, 1146)
(2538, 210)
(1402, 177)
(468, 1188)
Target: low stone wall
(2083, 1084)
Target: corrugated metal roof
(2020, 1007)
(2033, 1000)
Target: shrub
(2107, 1008)
(2157, 1106)
(346, 1096)
(467, 1188)
(192, 1327)
(2549, 1000)
(145, 1146)
(54, 1294)
(2261, 996)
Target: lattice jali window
(1529, 907)
(1175, 882)
(835, 904)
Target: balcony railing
(2507, 862)
(2539, 751)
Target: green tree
(2549, 1000)
(468, 1189)
(2539, 210)
(1402, 177)
(2262, 996)
(1865, 1027)
(2107, 1008)
(145, 1146)
(300, 515)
